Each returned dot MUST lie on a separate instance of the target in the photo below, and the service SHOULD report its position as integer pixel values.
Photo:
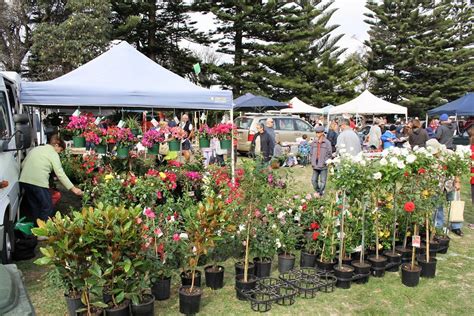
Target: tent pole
(232, 152)
(426, 120)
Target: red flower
(445, 167)
(314, 226)
(409, 207)
(405, 174)
(421, 171)
(315, 235)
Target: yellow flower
(108, 177)
(381, 234)
(425, 193)
(386, 233)
(389, 206)
(389, 197)
(162, 175)
(408, 234)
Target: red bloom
(421, 171)
(445, 167)
(315, 235)
(405, 174)
(409, 207)
(314, 226)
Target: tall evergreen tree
(419, 55)
(65, 39)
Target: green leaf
(127, 266)
(43, 261)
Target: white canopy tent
(367, 103)
(298, 106)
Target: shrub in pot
(287, 238)
(263, 245)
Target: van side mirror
(22, 134)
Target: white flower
(281, 215)
(401, 165)
(393, 160)
(303, 201)
(300, 208)
(241, 227)
(377, 176)
(411, 158)
(297, 217)
(274, 226)
(339, 234)
(290, 211)
(278, 243)
(183, 236)
(363, 163)
(383, 162)
(219, 232)
(194, 250)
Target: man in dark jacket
(266, 143)
(418, 136)
(321, 150)
(445, 132)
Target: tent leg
(426, 120)
(232, 152)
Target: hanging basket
(78, 141)
(154, 150)
(100, 149)
(226, 144)
(173, 145)
(204, 142)
(122, 152)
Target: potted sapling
(343, 272)
(361, 266)
(411, 271)
(263, 243)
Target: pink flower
(138, 220)
(149, 213)
(258, 213)
(176, 237)
(159, 195)
(158, 232)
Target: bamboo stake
(413, 250)
(362, 252)
(394, 221)
(341, 248)
(427, 239)
(246, 260)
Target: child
(303, 150)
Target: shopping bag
(456, 211)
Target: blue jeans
(439, 215)
(319, 180)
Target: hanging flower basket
(101, 149)
(79, 141)
(204, 142)
(173, 145)
(226, 144)
(154, 150)
(122, 152)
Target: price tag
(155, 123)
(120, 124)
(191, 193)
(76, 113)
(416, 241)
(97, 120)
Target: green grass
(450, 293)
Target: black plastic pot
(428, 269)
(325, 266)
(94, 312)
(214, 277)
(307, 260)
(186, 278)
(120, 311)
(286, 262)
(239, 268)
(410, 277)
(240, 285)
(347, 261)
(263, 267)
(434, 246)
(161, 289)
(145, 308)
(344, 276)
(393, 260)
(378, 265)
(361, 268)
(421, 250)
(443, 244)
(73, 304)
(405, 252)
(189, 302)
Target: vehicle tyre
(8, 241)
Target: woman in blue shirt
(389, 137)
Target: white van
(15, 137)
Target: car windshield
(243, 122)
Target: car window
(285, 124)
(243, 122)
(4, 119)
(303, 126)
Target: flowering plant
(78, 124)
(178, 133)
(91, 137)
(152, 137)
(204, 131)
(125, 137)
(223, 130)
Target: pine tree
(64, 40)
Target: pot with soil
(242, 286)
(428, 269)
(410, 276)
(394, 259)
(214, 276)
(73, 303)
(161, 288)
(146, 307)
(343, 274)
(405, 252)
(434, 246)
(307, 260)
(263, 267)
(378, 265)
(186, 278)
(443, 244)
(189, 300)
(286, 262)
(361, 268)
(122, 309)
(326, 266)
(239, 268)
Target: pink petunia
(176, 237)
(149, 213)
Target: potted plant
(177, 134)
(152, 139)
(124, 139)
(286, 242)
(263, 244)
(203, 134)
(223, 131)
(377, 261)
(326, 261)
(342, 271)
(133, 124)
(77, 125)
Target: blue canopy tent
(462, 106)
(258, 103)
(123, 77)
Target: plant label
(120, 124)
(154, 122)
(191, 193)
(76, 113)
(416, 241)
(97, 120)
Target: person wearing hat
(348, 141)
(389, 137)
(449, 187)
(321, 151)
(445, 132)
